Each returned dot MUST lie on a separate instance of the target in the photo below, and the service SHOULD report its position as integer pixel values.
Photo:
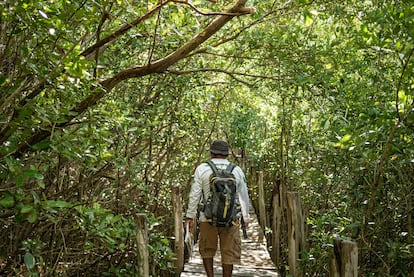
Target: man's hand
(190, 223)
(246, 224)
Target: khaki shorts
(230, 243)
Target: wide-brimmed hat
(219, 147)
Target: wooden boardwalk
(255, 260)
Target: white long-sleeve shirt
(201, 184)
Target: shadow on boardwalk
(255, 260)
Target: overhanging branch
(163, 64)
(232, 74)
(158, 66)
(245, 10)
(123, 29)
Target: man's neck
(214, 156)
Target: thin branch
(123, 29)
(244, 11)
(266, 17)
(105, 16)
(399, 85)
(231, 73)
(24, 85)
(152, 50)
(252, 58)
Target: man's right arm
(194, 198)
(244, 197)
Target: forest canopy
(106, 105)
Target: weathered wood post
(277, 216)
(296, 232)
(262, 206)
(344, 260)
(251, 179)
(142, 245)
(243, 161)
(178, 230)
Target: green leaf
(354, 225)
(36, 197)
(7, 201)
(52, 218)
(308, 18)
(26, 209)
(28, 174)
(57, 204)
(32, 216)
(29, 261)
(2, 79)
(346, 138)
(44, 144)
(41, 184)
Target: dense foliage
(107, 104)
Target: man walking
(210, 234)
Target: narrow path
(255, 260)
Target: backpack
(222, 205)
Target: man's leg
(208, 267)
(230, 245)
(227, 270)
(208, 246)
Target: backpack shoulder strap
(215, 172)
(230, 167)
(213, 166)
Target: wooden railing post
(277, 216)
(296, 232)
(142, 245)
(262, 206)
(344, 261)
(251, 179)
(178, 230)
